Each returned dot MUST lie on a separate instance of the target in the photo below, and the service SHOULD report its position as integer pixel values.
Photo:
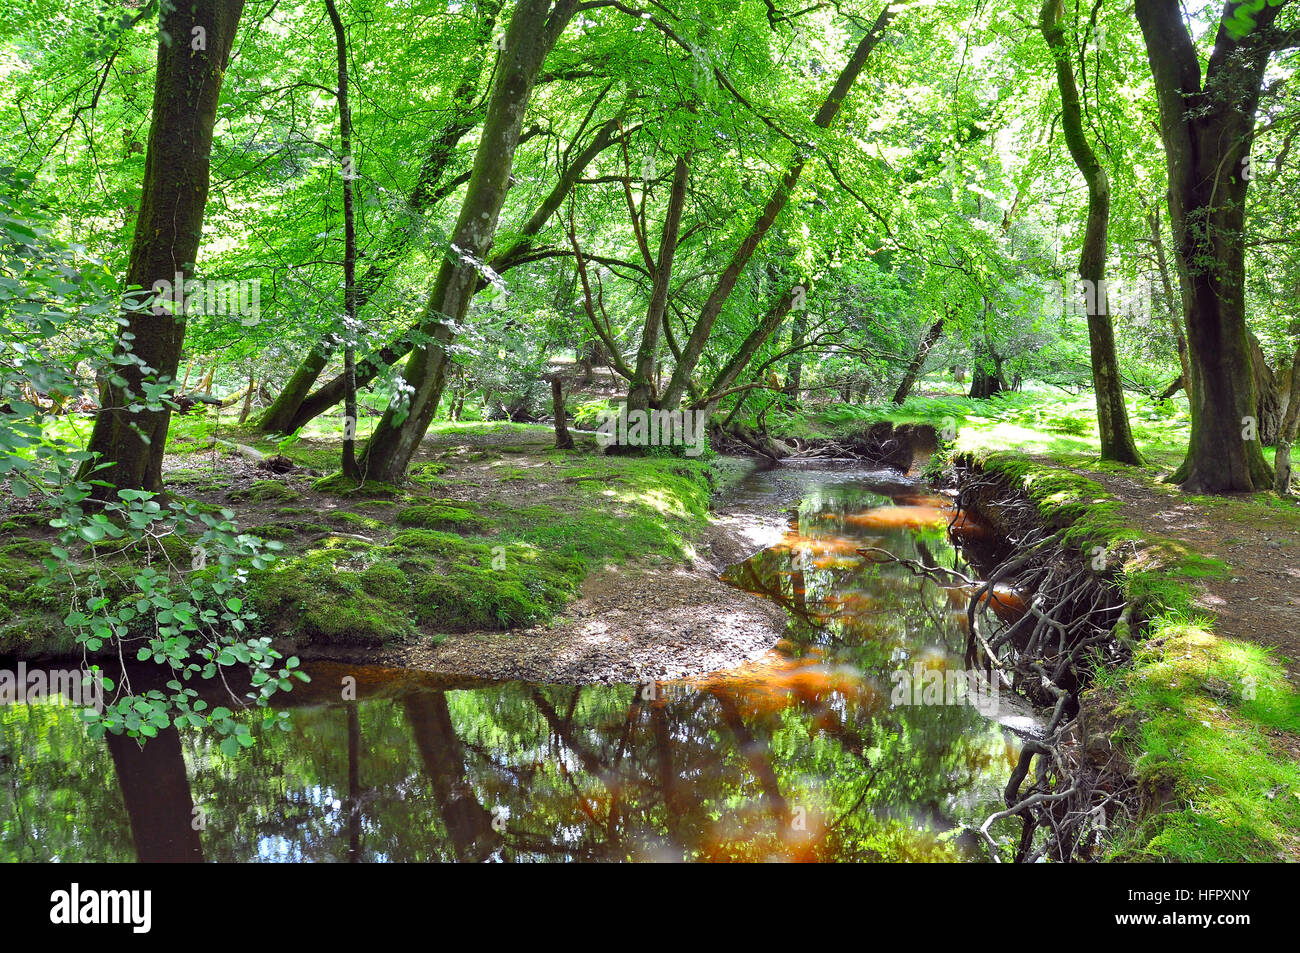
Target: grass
(1204, 716)
(1204, 721)
(507, 562)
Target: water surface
(800, 756)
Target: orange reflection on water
(779, 681)
(901, 517)
(818, 545)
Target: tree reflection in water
(799, 756)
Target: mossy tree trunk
(1207, 132)
(1112, 415)
(193, 48)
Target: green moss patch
(1213, 727)
(340, 485)
(266, 491)
(461, 584)
(442, 516)
(325, 596)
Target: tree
(1208, 129)
(131, 427)
(1112, 415)
(692, 350)
(534, 28)
(285, 413)
(349, 251)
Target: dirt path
(1259, 601)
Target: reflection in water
(156, 791)
(800, 755)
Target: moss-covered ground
(494, 530)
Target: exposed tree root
(1065, 792)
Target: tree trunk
(374, 364)
(794, 367)
(744, 354)
(918, 361)
(641, 391)
(1207, 135)
(534, 28)
(563, 439)
(466, 112)
(248, 396)
(349, 460)
(1287, 432)
(1112, 414)
(1268, 399)
(278, 417)
(985, 381)
(166, 240)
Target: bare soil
(1259, 601)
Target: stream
(826, 749)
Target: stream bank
(1176, 743)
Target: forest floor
(1256, 596)
(501, 559)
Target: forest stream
(819, 751)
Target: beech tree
(130, 429)
(1207, 124)
(1112, 416)
(534, 27)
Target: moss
(462, 584)
(340, 485)
(267, 491)
(320, 597)
(358, 521)
(426, 542)
(1203, 714)
(1207, 723)
(287, 530)
(442, 516)
(26, 521)
(426, 474)
(20, 573)
(514, 587)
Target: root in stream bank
(902, 447)
(1069, 783)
